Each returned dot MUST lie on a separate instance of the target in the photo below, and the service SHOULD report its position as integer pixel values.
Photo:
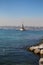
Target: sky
(16, 12)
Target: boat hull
(22, 29)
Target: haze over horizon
(16, 12)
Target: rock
(41, 52)
(31, 49)
(37, 51)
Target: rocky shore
(36, 49)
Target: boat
(22, 28)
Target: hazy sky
(15, 12)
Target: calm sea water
(12, 47)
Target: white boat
(22, 28)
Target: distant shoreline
(18, 27)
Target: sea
(13, 44)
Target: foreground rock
(36, 49)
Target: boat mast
(22, 26)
